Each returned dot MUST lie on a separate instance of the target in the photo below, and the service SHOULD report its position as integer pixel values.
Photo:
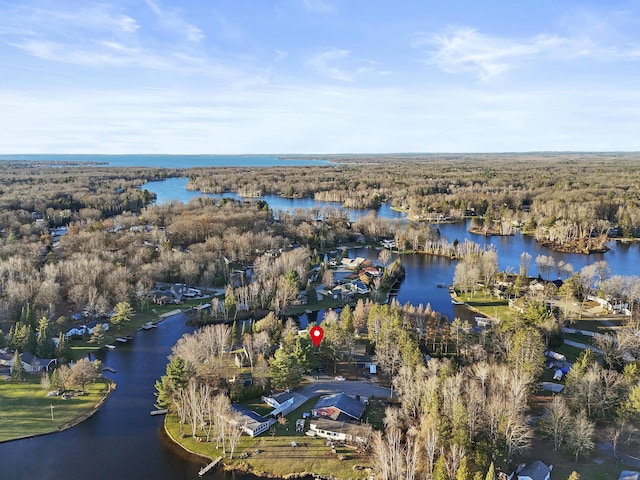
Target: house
(353, 263)
(629, 475)
(252, 423)
(284, 403)
(33, 364)
(76, 331)
(30, 363)
(340, 431)
(388, 243)
(359, 287)
(532, 471)
(338, 407)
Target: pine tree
(63, 350)
(45, 348)
(169, 385)
(491, 474)
(284, 371)
(234, 332)
(17, 369)
(440, 469)
(463, 470)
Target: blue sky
(318, 76)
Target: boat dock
(205, 469)
(159, 412)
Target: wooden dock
(204, 470)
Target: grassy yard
(26, 411)
(276, 455)
(490, 306)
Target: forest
(89, 240)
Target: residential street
(326, 385)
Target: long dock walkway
(205, 469)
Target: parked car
(340, 378)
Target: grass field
(490, 306)
(277, 456)
(26, 411)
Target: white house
(339, 431)
(252, 423)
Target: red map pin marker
(316, 335)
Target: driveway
(326, 385)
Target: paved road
(326, 385)
(624, 458)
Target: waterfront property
(339, 431)
(252, 423)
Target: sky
(319, 76)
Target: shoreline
(111, 386)
(247, 470)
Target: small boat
(148, 326)
(456, 302)
(110, 347)
(129, 337)
(121, 339)
(482, 321)
(158, 412)
(109, 369)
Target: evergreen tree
(169, 385)
(22, 338)
(45, 348)
(284, 371)
(491, 474)
(63, 350)
(463, 470)
(17, 369)
(346, 320)
(440, 469)
(234, 332)
(304, 352)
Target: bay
(171, 161)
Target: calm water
(174, 190)
(122, 441)
(172, 161)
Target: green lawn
(490, 306)
(26, 411)
(277, 456)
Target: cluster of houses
(335, 417)
(357, 279)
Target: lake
(172, 161)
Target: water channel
(123, 441)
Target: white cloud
(467, 50)
(172, 20)
(325, 63)
(318, 119)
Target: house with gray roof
(536, 470)
(252, 423)
(338, 407)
